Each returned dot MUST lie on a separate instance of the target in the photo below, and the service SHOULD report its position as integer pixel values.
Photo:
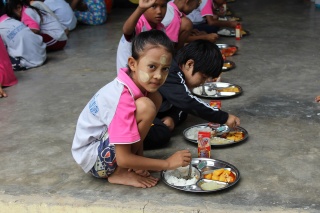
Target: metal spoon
(189, 172)
(203, 91)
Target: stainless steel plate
(214, 90)
(228, 65)
(211, 164)
(190, 134)
(222, 46)
(229, 32)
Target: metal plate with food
(234, 136)
(227, 50)
(228, 65)
(230, 18)
(217, 90)
(208, 175)
(231, 32)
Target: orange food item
(229, 51)
(222, 175)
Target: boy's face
(193, 80)
(190, 5)
(156, 13)
(150, 71)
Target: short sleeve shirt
(124, 47)
(172, 21)
(197, 16)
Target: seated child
(25, 48)
(7, 77)
(110, 131)
(147, 16)
(179, 27)
(40, 22)
(64, 13)
(91, 12)
(204, 18)
(191, 67)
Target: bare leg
(185, 31)
(145, 114)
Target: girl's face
(150, 71)
(18, 11)
(156, 13)
(194, 80)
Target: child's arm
(126, 159)
(216, 22)
(130, 24)
(212, 37)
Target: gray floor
(278, 69)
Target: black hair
(206, 56)
(152, 38)
(13, 4)
(2, 12)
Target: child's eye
(166, 69)
(152, 66)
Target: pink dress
(7, 77)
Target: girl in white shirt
(25, 48)
(40, 22)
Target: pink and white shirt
(110, 113)
(197, 16)
(172, 21)
(49, 24)
(125, 45)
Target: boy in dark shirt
(191, 67)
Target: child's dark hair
(152, 38)
(11, 5)
(206, 56)
(2, 12)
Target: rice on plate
(176, 177)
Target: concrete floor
(278, 69)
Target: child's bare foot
(122, 176)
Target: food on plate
(229, 89)
(222, 175)
(227, 138)
(229, 51)
(243, 32)
(177, 177)
(209, 186)
(227, 65)
(224, 32)
(235, 136)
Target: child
(178, 26)
(147, 16)
(192, 66)
(25, 49)
(64, 13)
(110, 131)
(91, 12)
(7, 77)
(204, 19)
(40, 22)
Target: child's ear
(132, 63)
(190, 64)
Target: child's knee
(145, 106)
(186, 25)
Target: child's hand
(233, 121)
(317, 99)
(212, 37)
(180, 158)
(145, 4)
